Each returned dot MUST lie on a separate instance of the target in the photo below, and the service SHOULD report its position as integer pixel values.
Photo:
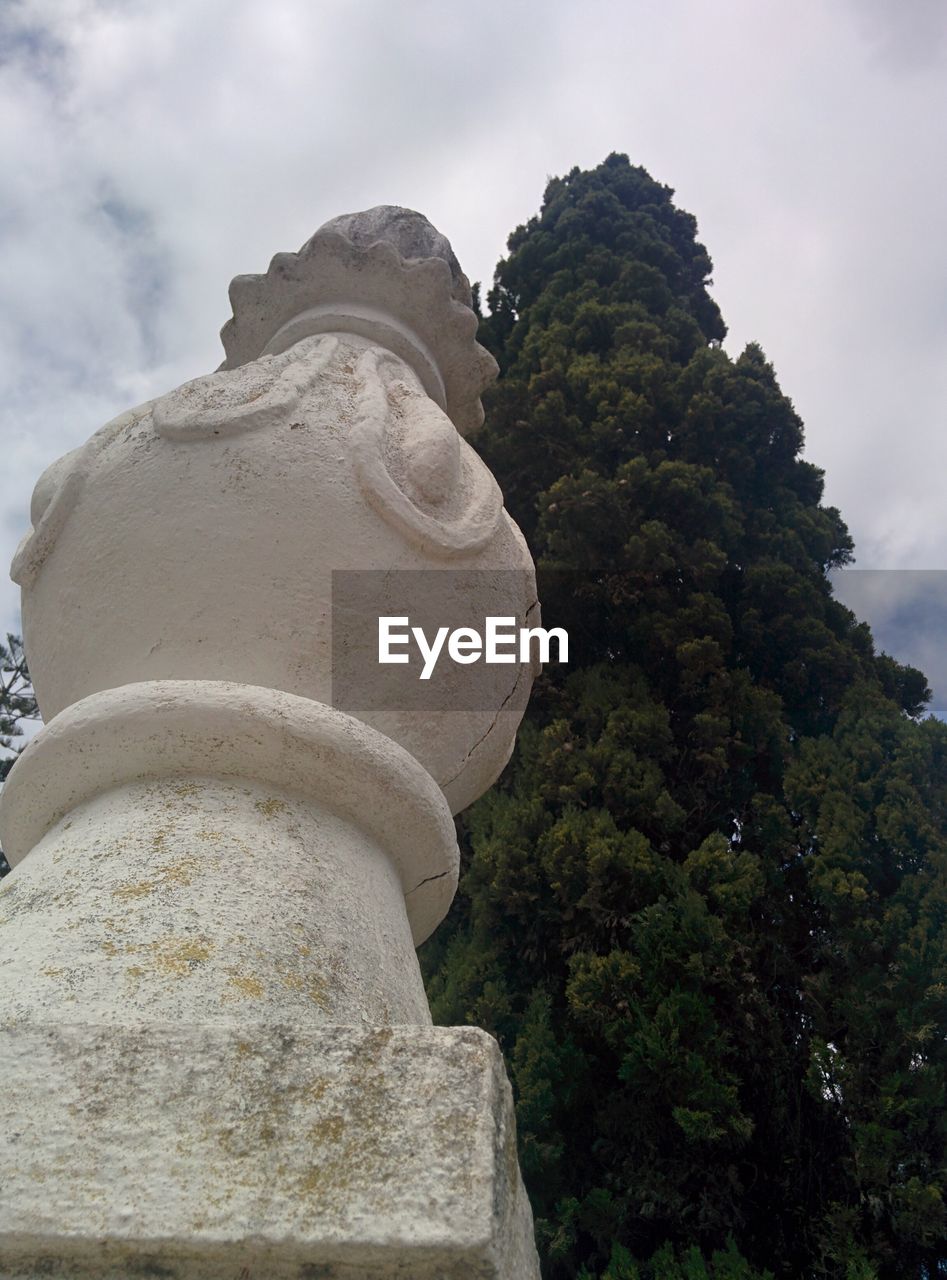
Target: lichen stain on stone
(271, 807)
(247, 986)
(311, 984)
(179, 872)
(266, 1114)
(177, 957)
(357, 1159)
(137, 889)
(316, 1090)
(113, 949)
(330, 1129)
(184, 789)
(443, 1130)
(321, 1179)
(358, 1155)
(171, 957)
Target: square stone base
(262, 1153)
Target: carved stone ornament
(204, 526)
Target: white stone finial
(413, 235)
(386, 274)
(198, 534)
(222, 864)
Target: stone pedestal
(268, 1153)
(216, 1051)
(217, 853)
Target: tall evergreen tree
(704, 909)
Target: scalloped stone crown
(386, 274)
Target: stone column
(217, 1054)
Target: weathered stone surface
(387, 274)
(408, 231)
(210, 852)
(259, 1154)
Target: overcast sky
(151, 151)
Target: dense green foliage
(704, 910)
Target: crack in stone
(492, 724)
(427, 879)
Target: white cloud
(151, 152)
